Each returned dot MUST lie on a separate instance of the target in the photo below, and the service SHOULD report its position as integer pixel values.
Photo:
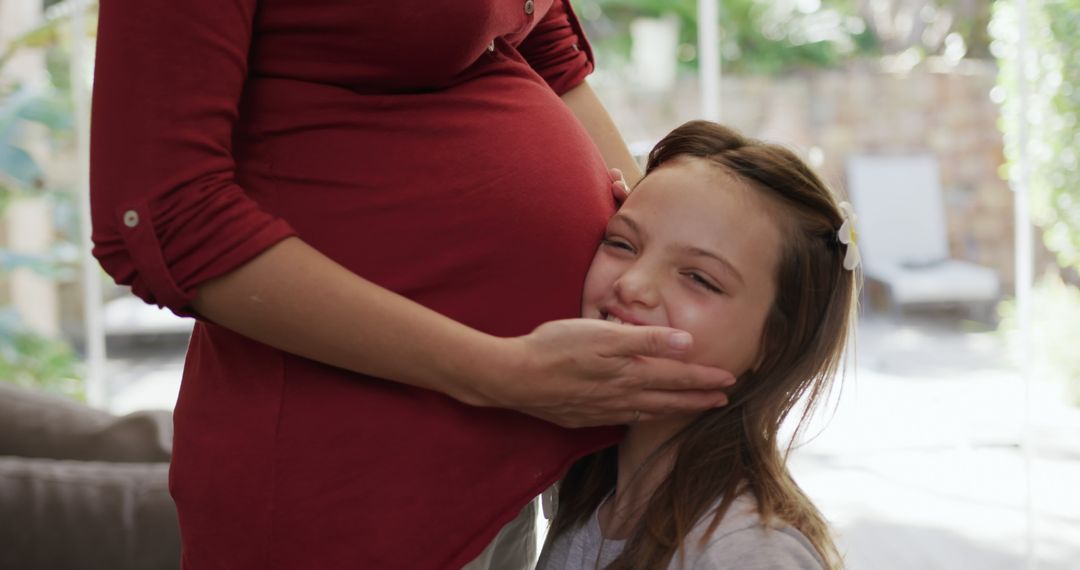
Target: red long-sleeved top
(420, 144)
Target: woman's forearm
(574, 373)
(294, 298)
(588, 109)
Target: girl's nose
(637, 287)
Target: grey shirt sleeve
(756, 548)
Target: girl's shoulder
(743, 541)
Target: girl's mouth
(613, 319)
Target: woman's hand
(576, 372)
(584, 372)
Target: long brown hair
(735, 449)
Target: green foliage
(757, 36)
(31, 360)
(776, 36)
(50, 106)
(19, 171)
(1053, 115)
(27, 358)
(1055, 326)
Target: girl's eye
(703, 282)
(617, 243)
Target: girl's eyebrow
(728, 267)
(688, 249)
(628, 221)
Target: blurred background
(951, 125)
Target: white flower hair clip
(849, 237)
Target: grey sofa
(83, 489)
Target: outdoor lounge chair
(903, 235)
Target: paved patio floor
(920, 465)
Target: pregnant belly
(484, 202)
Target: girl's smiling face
(693, 248)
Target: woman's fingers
(661, 342)
(619, 189)
(640, 406)
(653, 404)
(658, 371)
(672, 375)
(583, 372)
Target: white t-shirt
(740, 542)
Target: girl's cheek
(708, 327)
(688, 312)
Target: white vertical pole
(97, 389)
(709, 58)
(1024, 269)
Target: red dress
(423, 146)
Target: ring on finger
(637, 416)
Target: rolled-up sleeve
(167, 211)
(557, 48)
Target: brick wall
(828, 115)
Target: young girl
(739, 243)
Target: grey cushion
(34, 424)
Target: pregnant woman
(371, 207)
